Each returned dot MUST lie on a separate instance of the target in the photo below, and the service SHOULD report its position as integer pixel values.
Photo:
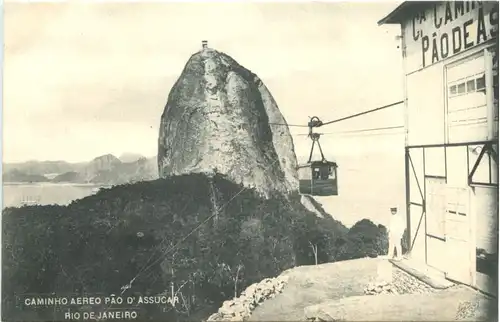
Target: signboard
(446, 29)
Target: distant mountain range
(106, 169)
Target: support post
(408, 202)
(489, 93)
(312, 181)
(424, 202)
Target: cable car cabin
(318, 178)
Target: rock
(242, 307)
(315, 313)
(237, 317)
(227, 304)
(217, 119)
(215, 317)
(249, 290)
(403, 283)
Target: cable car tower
(319, 177)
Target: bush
(364, 239)
(404, 242)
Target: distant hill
(42, 167)
(105, 169)
(130, 157)
(110, 170)
(18, 176)
(71, 176)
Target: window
(461, 88)
(481, 82)
(333, 173)
(315, 173)
(467, 109)
(471, 86)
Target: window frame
(464, 81)
(492, 119)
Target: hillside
(100, 243)
(18, 176)
(130, 157)
(71, 176)
(41, 167)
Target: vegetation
(154, 233)
(364, 239)
(404, 242)
(486, 263)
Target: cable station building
(450, 57)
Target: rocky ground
(346, 290)
(401, 283)
(284, 298)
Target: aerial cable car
(317, 178)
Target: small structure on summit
(204, 44)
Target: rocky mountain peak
(103, 162)
(220, 117)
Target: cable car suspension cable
(357, 131)
(361, 113)
(343, 118)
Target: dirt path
(336, 291)
(445, 305)
(308, 285)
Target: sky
(83, 79)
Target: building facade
(450, 54)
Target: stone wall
(242, 307)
